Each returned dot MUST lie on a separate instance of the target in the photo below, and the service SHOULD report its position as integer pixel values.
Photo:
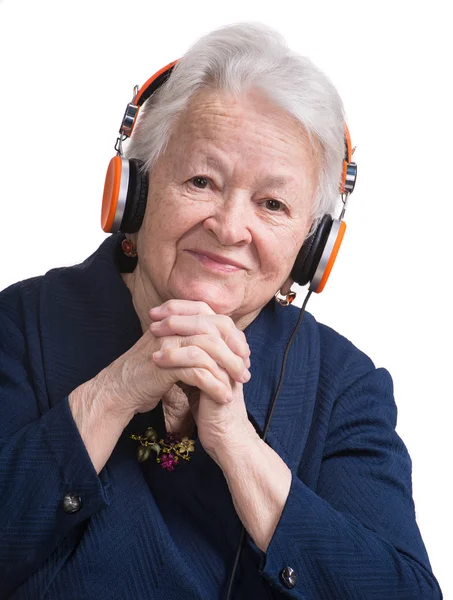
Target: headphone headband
(349, 171)
(147, 90)
(154, 82)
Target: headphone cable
(263, 436)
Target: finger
(217, 349)
(190, 357)
(204, 324)
(180, 307)
(174, 341)
(204, 380)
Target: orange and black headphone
(126, 191)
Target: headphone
(126, 191)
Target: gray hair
(236, 58)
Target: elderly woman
(160, 438)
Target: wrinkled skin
(228, 208)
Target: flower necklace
(169, 450)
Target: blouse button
(71, 503)
(288, 577)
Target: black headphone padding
(137, 193)
(307, 260)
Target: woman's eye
(200, 182)
(274, 205)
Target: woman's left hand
(223, 428)
(252, 469)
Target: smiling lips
(215, 261)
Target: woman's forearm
(98, 419)
(259, 482)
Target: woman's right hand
(211, 350)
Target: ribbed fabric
(348, 528)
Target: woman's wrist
(114, 403)
(100, 419)
(259, 482)
(231, 448)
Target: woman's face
(229, 205)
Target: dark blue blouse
(348, 528)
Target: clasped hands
(188, 344)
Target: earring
(128, 248)
(285, 300)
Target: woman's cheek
(280, 245)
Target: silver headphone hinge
(128, 120)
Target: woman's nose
(231, 222)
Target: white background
(66, 73)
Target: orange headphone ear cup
(307, 260)
(111, 199)
(137, 193)
(329, 256)
(125, 194)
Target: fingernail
(229, 398)
(246, 376)
(157, 354)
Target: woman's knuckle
(167, 343)
(171, 321)
(194, 352)
(204, 307)
(228, 321)
(171, 304)
(201, 323)
(239, 363)
(200, 374)
(166, 353)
